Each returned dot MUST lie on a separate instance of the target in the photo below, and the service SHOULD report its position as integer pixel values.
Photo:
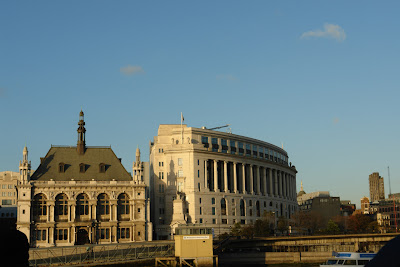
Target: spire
(24, 167)
(25, 154)
(301, 185)
(81, 146)
(137, 155)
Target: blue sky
(320, 77)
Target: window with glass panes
(224, 145)
(215, 146)
(232, 144)
(254, 151)
(248, 150)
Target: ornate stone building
(217, 179)
(79, 195)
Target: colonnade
(244, 178)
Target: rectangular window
(261, 152)
(200, 211)
(254, 151)
(266, 153)
(213, 221)
(232, 144)
(180, 186)
(248, 150)
(213, 201)
(201, 220)
(10, 186)
(241, 150)
(4, 194)
(6, 202)
(200, 200)
(10, 194)
(179, 161)
(4, 186)
(198, 173)
(213, 210)
(215, 145)
(224, 144)
(198, 162)
(40, 235)
(180, 173)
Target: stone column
(279, 183)
(226, 177)
(265, 181)
(251, 180)
(205, 175)
(73, 234)
(51, 235)
(113, 210)
(276, 193)
(244, 178)
(271, 185)
(283, 184)
(258, 180)
(215, 176)
(234, 178)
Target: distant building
(8, 216)
(321, 202)
(347, 208)
(365, 205)
(376, 187)
(8, 188)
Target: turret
(24, 167)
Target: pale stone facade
(8, 185)
(217, 179)
(82, 195)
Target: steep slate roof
(92, 158)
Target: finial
(301, 185)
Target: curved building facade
(218, 179)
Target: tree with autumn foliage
(359, 223)
(308, 222)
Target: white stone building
(81, 194)
(217, 179)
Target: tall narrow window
(61, 205)
(223, 206)
(103, 204)
(123, 204)
(39, 205)
(82, 205)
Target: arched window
(223, 206)
(103, 204)
(258, 208)
(61, 167)
(82, 167)
(82, 205)
(61, 207)
(123, 204)
(242, 208)
(102, 167)
(39, 205)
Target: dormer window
(82, 168)
(102, 167)
(61, 167)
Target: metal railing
(89, 254)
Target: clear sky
(321, 77)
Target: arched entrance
(82, 237)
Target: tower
(81, 145)
(24, 167)
(137, 167)
(376, 187)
